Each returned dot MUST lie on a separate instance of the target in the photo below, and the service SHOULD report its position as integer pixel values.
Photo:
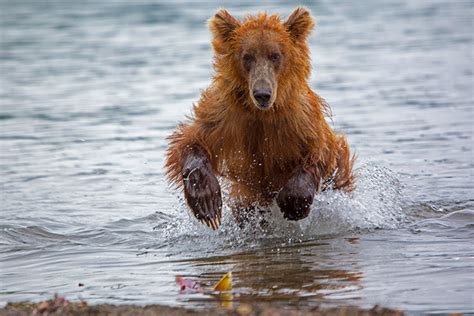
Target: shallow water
(90, 90)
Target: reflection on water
(305, 276)
(89, 91)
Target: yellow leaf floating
(225, 283)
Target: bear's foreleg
(296, 197)
(189, 166)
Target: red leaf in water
(186, 284)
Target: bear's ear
(223, 24)
(299, 24)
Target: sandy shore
(60, 306)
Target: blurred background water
(90, 89)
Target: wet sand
(82, 308)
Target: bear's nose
(262, 96)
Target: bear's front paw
(203, 194)
(296, 197)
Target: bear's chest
(261, 156)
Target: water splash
(377, 202)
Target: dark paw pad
(202, 192)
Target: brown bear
(259, 124)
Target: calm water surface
(90, 90)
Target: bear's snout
(262, 96)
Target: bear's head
(262, 59)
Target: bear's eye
(275, 57)
(248, 60)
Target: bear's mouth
(263, 105)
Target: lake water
(90, 90)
